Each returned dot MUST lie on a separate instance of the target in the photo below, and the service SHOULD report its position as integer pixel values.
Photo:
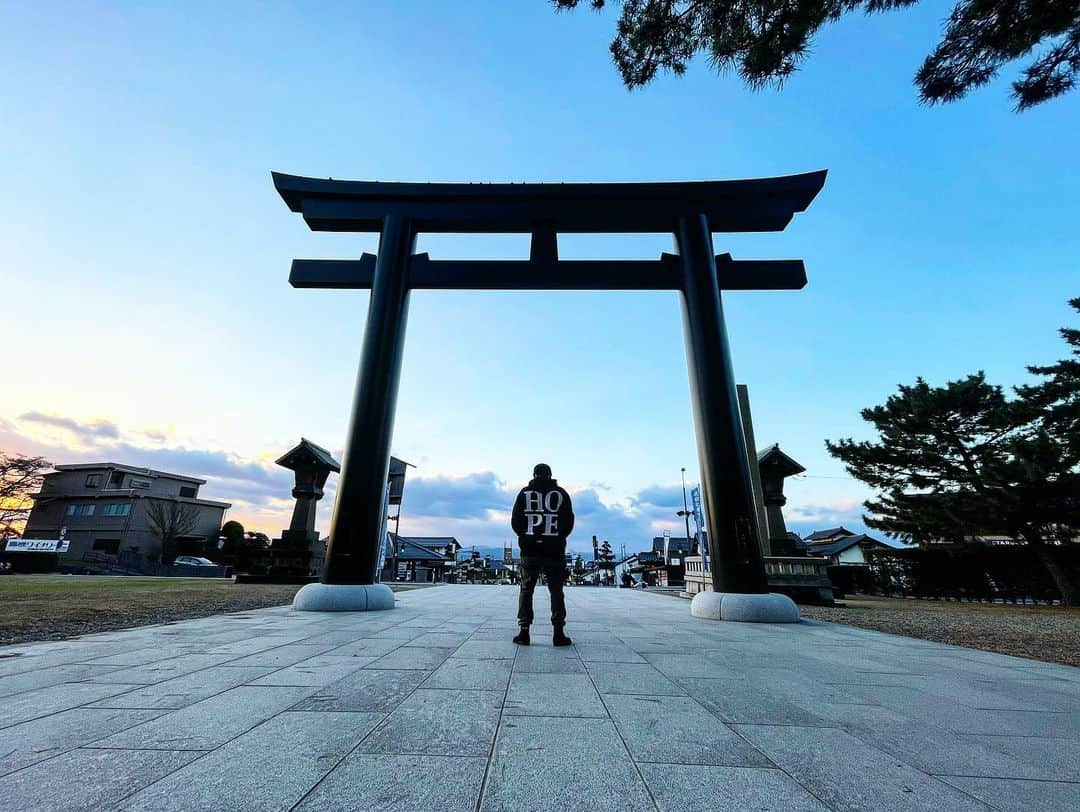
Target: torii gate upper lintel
(691, 211)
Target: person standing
(542, 518)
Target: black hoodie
(543, 517)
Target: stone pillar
(760, 519)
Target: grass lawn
(53, 607)
(1048, 633)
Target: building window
(93, 480)
(110, 546)
(138, 483)
(80, 510)
(116, 509)
(188, 492)
(116, 479)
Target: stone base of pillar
(770, 607)
(343, 598)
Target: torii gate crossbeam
(690, 211)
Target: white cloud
(474, 508)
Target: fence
(974, 572)
(803, 578)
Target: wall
(852, 555)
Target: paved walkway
(430, 707)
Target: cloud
(473, 496)
(665, 497)
(89, 433)
(475, 509)
(229, 477)
(806, 518)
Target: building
(420, 558)
(644, 567)
(841, 546)
(828, 535)
(673, 549)
(105, 510)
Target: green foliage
(232, 531)
(765, 41)
(962, 460)
(231, 536)
(1056, 399)
(939, 461)
(256, 539)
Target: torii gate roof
(757, 204)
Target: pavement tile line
(143, 685)
(801, 655)
(164, 712)
(738, 733)
(498, 731)
(374, 728)
(206, 753)
(622, 741)
(705, 710)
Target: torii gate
(691, 211)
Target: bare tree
(20, 476)
(170, 521)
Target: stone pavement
(430, 706)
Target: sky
(144, 254)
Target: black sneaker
(559, 638)
(522, 638)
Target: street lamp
(685, 512)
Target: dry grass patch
(1047, 633)
(54, 607)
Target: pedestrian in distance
(542, 518)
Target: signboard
(37, 545)
(699, 527)
(695, 500)
(396, 480)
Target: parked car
(194, 561)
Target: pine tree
(765, 41)
(607, 560)
(962, 460)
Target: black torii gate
(692, 211)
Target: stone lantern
(292, 555)
(776, 466)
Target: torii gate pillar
(722, 453)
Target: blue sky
(145, 254)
